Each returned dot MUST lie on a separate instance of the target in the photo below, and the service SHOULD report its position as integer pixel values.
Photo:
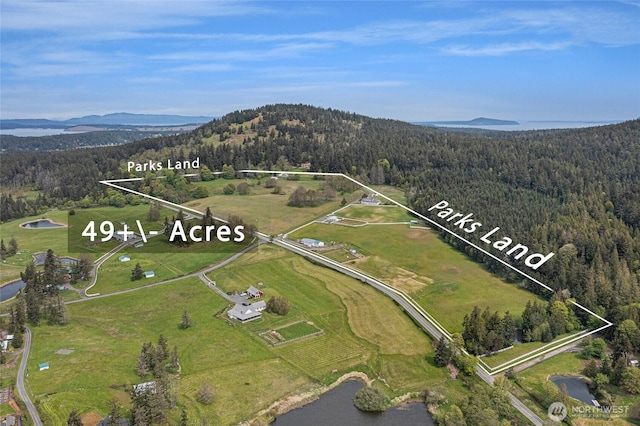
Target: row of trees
(303, 197)
(152, 400)
(486, 332)
(41, 298)
(8, 251)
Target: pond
(576, 387)
(9, 290)
(336, 408)
(42, 223)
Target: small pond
(9, 290)
(42, 223)
(336, 408)
(576, 387)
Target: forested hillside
(72, 140)
(574, 192)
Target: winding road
(415, 311)
(22, 392)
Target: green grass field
(269, 212)
(442, 280)
(362, 328)
(170, 262)
(376, 214)
(296, 330)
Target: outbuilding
(309, 242)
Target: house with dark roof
(119, 422)
(370, 200)
(254, 293)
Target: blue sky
(414, 61)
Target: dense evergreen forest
(574, 192)
(72, 140)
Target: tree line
(573, 192)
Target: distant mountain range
(116, 119)
(480, 121)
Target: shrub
(370, 399)
(278, 305)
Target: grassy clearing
(169, 262)
(376, 214)
(31, 241)
(517, 350)
(442, 280)
(269, 212)
(106, 336)
(297, 330)
(395, 193)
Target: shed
(43, 366)
(149, 274)
(309, 242)
(260, 306)
(254, 293)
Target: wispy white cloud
(505, 48)
(116, 15)
(286, 50)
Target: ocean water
(540, 125)
(34, 132)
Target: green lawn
(442, 280)
(169, 262)
(296, 330)
(376, 214)
(363, 330)
(31, 241)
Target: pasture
(269, 212)
(442, 280)
(363, 330)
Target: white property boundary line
(371, 190)
(419, 308)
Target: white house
(309, 242)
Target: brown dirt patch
(419, 234)
(92, 418)
(15, 407)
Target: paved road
(412, 309)
(22, 392)
(418, 314)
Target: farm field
(376, 214)
(443, 281)
(166, 262)
(363, 331)
(269, 212)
